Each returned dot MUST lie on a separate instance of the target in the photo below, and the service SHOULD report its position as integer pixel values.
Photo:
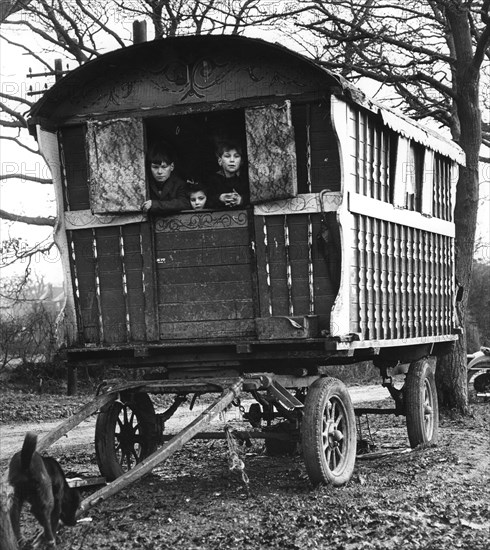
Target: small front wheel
(328, 433)
(125, 433)
(421, 405)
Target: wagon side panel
(398, 279)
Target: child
(198, 195)
(167, 191)
(229, 185)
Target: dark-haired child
(167, 190)
(229, 186)
(198, 195)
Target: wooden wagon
(345, 254)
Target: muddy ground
(432, 498)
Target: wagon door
(205, 275)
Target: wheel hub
(334, 435)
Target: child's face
(161, 171)
(230, 161)
(198, 200)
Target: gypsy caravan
(344, 252)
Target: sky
(33, 199)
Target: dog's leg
(55, 514)
(15, 515)
(42, 508)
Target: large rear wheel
(125, 433)
(328, 433)
(421, 405)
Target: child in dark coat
(229, 186)
(167, 191)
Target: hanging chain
(234, 460)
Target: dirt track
(434, 497)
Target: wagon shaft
(176, 443)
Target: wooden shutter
(116, 159)
(271, 153)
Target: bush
(28, 337)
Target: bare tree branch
(20, 144)
(25, 177)
(31, 220)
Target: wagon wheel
(421, 406)
(481, 382)
(125, 433)
(329, 433)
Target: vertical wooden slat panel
(125, 284)
(376, 164)
(447, 213)
(311, 286)
(133, 267)
(427, 285)
(383, 167)
(362, 275)
(365, 153)
(391, 279)
(308, 147)
(278, 266)
(442, 247)
(442, 285)
(75, 168)
(76, 289)
(370, 277)
(403, 283)
(410, 293)
(322, 292)
(449, 283)
(415, 283)
(377, 279)
(370, 166)
(149, 282)
(398, 282)
(97, 287)
(358, 149)
(432, 290)
(298, 252)
(83, 258)
(445, 197)
(437, 285)
(423, 302)
(109, 281)
(289, 279)
(263, 261)
(384, 280)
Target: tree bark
(451, 377)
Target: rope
(234, 460)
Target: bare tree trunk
(451, 378)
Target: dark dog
(41, 482)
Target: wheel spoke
(329, 432)
(332, 433)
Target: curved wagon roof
(163, 76)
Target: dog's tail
(28, 448)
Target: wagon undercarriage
(310, 413)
